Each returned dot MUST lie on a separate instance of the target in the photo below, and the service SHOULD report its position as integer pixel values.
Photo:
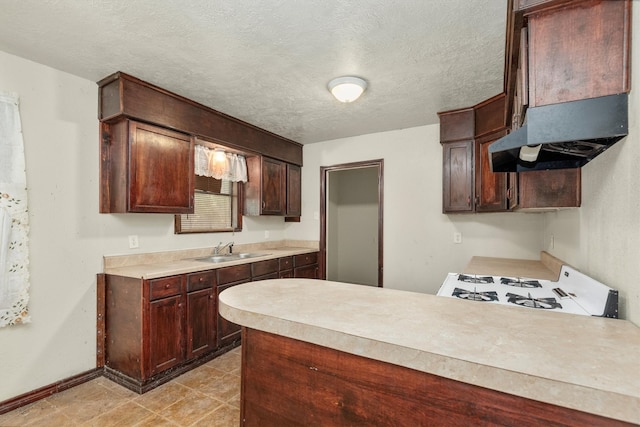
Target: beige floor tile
(200, 377)
(156, 421)
(224, 389)
(38, 413)
(86, 401)
(187, 411)
(228, 362)
(235, 401)
(163, 396)
(127, 414)
(224, 416)
(197, 397)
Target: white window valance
(231, 167)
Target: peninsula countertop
(585, 363)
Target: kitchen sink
(229, 257)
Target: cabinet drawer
(273, 275)
(165, 287)
(306, 259)
(261, 268)
(234, 273)
(286, 263)
(202, 280)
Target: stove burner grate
(475, 279)
(475, 296)
(529, 301)
(520, 283)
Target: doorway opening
(351, 225)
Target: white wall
(418, 239)
(602, 238)
(68, 236)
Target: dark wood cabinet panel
(122, 95)
(290, 382)
(262, 268)
(550, 189)
(228, 332)
(201, 313)
(491, 188)
(579, 51)
(145, 168)
(273, 187)
(166, 349)
(306, 266)
(201, 322)
(294, 190)
(233, 274)
(458, 176)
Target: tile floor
(206, 396)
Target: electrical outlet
(266, 234)
(457, 237)
(552, 241)
(133, 241)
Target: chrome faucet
(217, 249)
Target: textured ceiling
(268, 62)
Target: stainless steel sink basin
(250, 255)
(229, 257)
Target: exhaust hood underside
(569, 134)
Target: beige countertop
(585, 363)
(547, 267)
(162, 264)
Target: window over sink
(217, 207)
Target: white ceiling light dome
(347, 88)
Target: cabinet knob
(201, 279)
(468, 200)
(167, 286)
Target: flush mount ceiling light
(347, 89)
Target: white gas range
(574, 292)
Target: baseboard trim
(46, 391)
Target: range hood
(562, 136)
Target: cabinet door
(491, 187)
(294, 190)
(165, 334)
(161, 170)
(580, 51)
(228, 332)
(458, 176)
(201, 315)
(273, 187)
(557, 188)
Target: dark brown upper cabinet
(145, 168)
(469, 185)
(147, 145)
(294, 191)
(274, 188)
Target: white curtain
(14, 217)
(232, 167)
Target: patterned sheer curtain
(220, 165)
(14, 217)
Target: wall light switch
(266, 234)
(133, 241)
(457, 237)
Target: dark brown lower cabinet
(306, 266)
(165, 333)
(158, 329)
(286, 382)
(201, 313)
(229, 332)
